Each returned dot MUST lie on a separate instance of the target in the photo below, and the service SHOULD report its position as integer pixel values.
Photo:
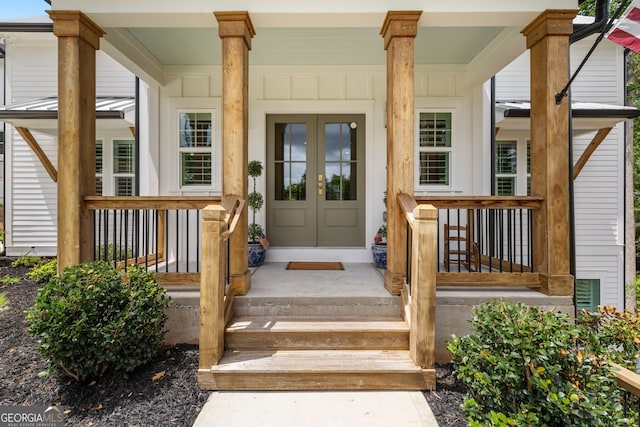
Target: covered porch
(219, 238)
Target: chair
(459, 247)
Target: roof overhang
(149, 37)
(42, 114)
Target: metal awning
(587, 116)
(112, 112)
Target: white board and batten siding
(599, 189)
(311, 90)
(31, 197)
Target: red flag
(626, 31)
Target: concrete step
(317, 306)
(288, 333)
(316, 370)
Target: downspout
(493, 136)
(136, 138)
(581, 31)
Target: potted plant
(258, 243)
(379, 246)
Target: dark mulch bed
(162, 393)
(172, 399)
(445, 401)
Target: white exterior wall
(31, 196)
(319, 90)
(599, 189)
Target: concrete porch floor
(356, 280)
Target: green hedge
(526, 366)
(94, 318)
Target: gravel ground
(161, 393)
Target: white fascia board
(327, 13)
(499, 53)
(131, 54)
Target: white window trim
(122, 174)
(213, 150)
(521, 139)
(108, 175)
(450, 150)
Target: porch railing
(216, 293)
(419, 293)
(162, 233)
(630, 383)
(498, 248)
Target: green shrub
(44, 272)
(526, 366)
(3, 300)
(113, 252)
(94, 318)
(9, 280)
(618, 331)
(26, 261)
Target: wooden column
(548, 41)
(78, 40)
(423, 286)
(236, 30)
(212, 284)
(399, 31)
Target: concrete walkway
(316, 409)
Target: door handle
(320, 185)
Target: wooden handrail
(626, 379)
(408, 204)
(482, 202)
(149, 202)
(233, 205)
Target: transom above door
(315, 180)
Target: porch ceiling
(146, 35)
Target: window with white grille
(115, 167)
(434, 148)
(195, 131)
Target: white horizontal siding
(605, 264)
(31, 202)
(33, 197)
(33, 71)
(513, 82)
(599, 81)
(598, 192)
(112, 79)
(601, 78)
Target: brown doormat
(308, 265)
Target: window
(587, 294)
(434, 148)
(506, 168)
(195, 129)
(123, 167)
(115, 167)
(512, 167)
(99, 169)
